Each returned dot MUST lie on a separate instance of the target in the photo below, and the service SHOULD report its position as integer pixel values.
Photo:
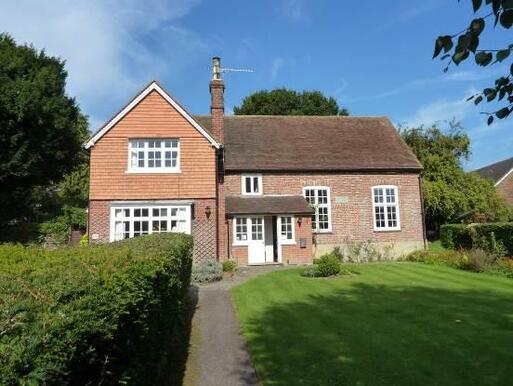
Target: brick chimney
(217, 100)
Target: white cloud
(439, 111)
(294, 9)
(408, 14)
(104, 43)
(276, 67)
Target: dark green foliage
(497, 238)
(448, 190)
(41, 130)
(282, 101)
(327, 265)
(497, 12)
(207, 271)
(229, 265)
(91, 315)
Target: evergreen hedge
(93, 315)
(484, 236)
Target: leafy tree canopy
(450, 192)
(282, 101)
(41, 128)
(458, 47)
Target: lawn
(392, 324)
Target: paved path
(218, 355)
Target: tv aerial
(217, 70)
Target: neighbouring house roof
(239, 205)
(153, 86)
(316, 143)
(497, 171)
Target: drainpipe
(424, 232)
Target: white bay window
(134, 220)
(385, 204)
(154, 156)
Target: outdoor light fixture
(299, 220)
(208, 212)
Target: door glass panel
(256, 228)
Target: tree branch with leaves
(462, 45)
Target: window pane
(145, 212)
(155, 212)
(392, 216)
(256, 188)
(248, 184)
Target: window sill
(163, 171)
(288, 243)
(387, 230)
(251, 194)
(322, 232)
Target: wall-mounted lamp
(208, 212)
(299, 221)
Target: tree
(289, 102)
(450, 192)
(41, 129)
(499, 13)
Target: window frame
(385, 205)
(131, 207)
(148, 170)
(286, 241)
(249, 230)
(316, 206)
(252, 176)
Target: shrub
(478, 260)
(207, 271)
(93, 315)
(496, 238)
(54, 232)
(229, 265)
(504, 268)
(328, 265)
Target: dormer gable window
(154, 155)
(251, 184)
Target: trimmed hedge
(97, 315)
(483, 236)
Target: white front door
(256, 242)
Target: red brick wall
(203, 228)
(353, 220)
(505, 189)
(99, 225)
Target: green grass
(436, 246)
(393, 324)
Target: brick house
(501, 173)
(256, 189)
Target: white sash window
(385, 205)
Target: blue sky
(373, 56)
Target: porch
(269, 230)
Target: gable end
(154, 86)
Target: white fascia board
(152, 87)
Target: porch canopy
(267, 205)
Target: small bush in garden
(84, 240)
(207, 271)
(229, 265)
(329, 265)
(504, 268)
(478, 260)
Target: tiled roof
(239, 205)
(327, 143)
(497, 170)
